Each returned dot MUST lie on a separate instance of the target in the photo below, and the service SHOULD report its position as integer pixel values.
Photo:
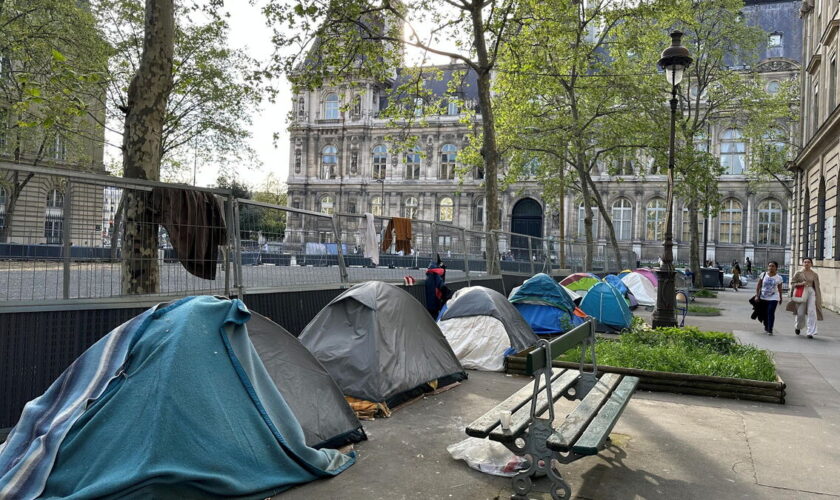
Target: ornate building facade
(341, 161)
(816, 191)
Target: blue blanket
(173, 402)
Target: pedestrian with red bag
(806, 299)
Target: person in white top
(769, 290)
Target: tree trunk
(147, 97)
(562, 225)
(587, 212)
(608, 221)
(11, 202)
(694, 253)
(488, 142)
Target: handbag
(798, 294)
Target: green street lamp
(674, 61)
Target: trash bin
(711, 277)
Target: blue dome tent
(606, 304)
(546, 307)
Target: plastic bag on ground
(487, 456)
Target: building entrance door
(526, 218)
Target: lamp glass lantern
(675, 59)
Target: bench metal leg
(540, 463)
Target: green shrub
(683, 350)
(694, 308)
(705, 294)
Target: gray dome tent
(379, 343)
(481, 326)
(312, 395)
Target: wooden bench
(533, 432)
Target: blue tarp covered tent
(174, 403)
(617, 283)
(606, 304)
(546, 307)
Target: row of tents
(150, 407)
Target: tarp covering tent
(481, 325)
(379, 343)
(175, 403)
(607, 305)
(546, 306)
(650, 275)
(641, 288)
(309, 390)
(616, 282)
(580, 281)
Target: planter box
(679, 383)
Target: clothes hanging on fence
(402, 229)
(195, 222)
(369, 239)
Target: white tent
(641, 288)
(481, 325)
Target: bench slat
(482, 426)
(520, 420)
(593, 438)
(576, 422)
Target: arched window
(581, 226)
(531, 168)
(376, 205)
(733, 152)
(446, 210)
(380, 161)
(448, 156)
(769, 223)
(54, 217)
(2, 207)
(412, 164)
(478, 211)
(329, 162)
(331, 111)
(655, 220)
(622, 216)
(731, 217)
(410, 207)
(685, 237)
(773, 87)
(327, 205)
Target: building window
(581, 226)
(686, 226)
(57, 149)
(733, 152)
(412, 164)
(775, 40)
(624, 165)
(821, 220)
(351, 206)
(448, 156)
(815, 116)
(327, 205)
(357, 105)
(331, 111)
(832, 85)
(730, 222)
(773, 87)
(531, 168)
(622, 216)
(452, 107)
(655, 219)
(769, 223)
(54, 217)
(354, 163)
(446, 210)
(376, 205)
(2, 207)
(301, 107)
(478, 212)
(410, 207)
(418, 106)
(380, 162)
(298, 159)
(329, 162)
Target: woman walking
(769, 290)
(810, 310)
(736, 277)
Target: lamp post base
(666, 294)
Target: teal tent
(175, 403)
(606, 304)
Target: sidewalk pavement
(665, 446)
